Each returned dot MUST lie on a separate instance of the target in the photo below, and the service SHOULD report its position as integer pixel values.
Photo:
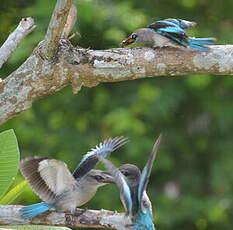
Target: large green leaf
(9, 159)
(34, 227)
(13, 193)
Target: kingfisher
(169, 33)
(132, 184)
(61, 190)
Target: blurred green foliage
(191, 186)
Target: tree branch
(71, 20)
(25, 27)
(9, 215)
(37, 77)
(56, 27)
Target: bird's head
(99, 178)
(131, 172)
(143, 36)
(130, 40)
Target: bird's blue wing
(144, 179)
(163, 24)
(184, 24)
(170, 30)
(102, 150)
(125, 193)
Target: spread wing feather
(147, 169)
(90, 159)
(47, 177)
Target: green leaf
(13, 193)
(9, 159)
(35, 227)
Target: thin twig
(25, 26)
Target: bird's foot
(80, 213)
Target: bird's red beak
(127, 42)
(107, 178)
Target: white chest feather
(79, 195)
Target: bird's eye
(98, 178)
(125, 173)
(134, 36)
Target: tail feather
(199, 43)
(30, 211)
(198, 47)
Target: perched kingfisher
(132, 185)
(51, 180)
(169, 32)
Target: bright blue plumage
(184, 24)
(171, 29)
(30, 211)
(143, 221)
(199, 43)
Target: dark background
(191, 186)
